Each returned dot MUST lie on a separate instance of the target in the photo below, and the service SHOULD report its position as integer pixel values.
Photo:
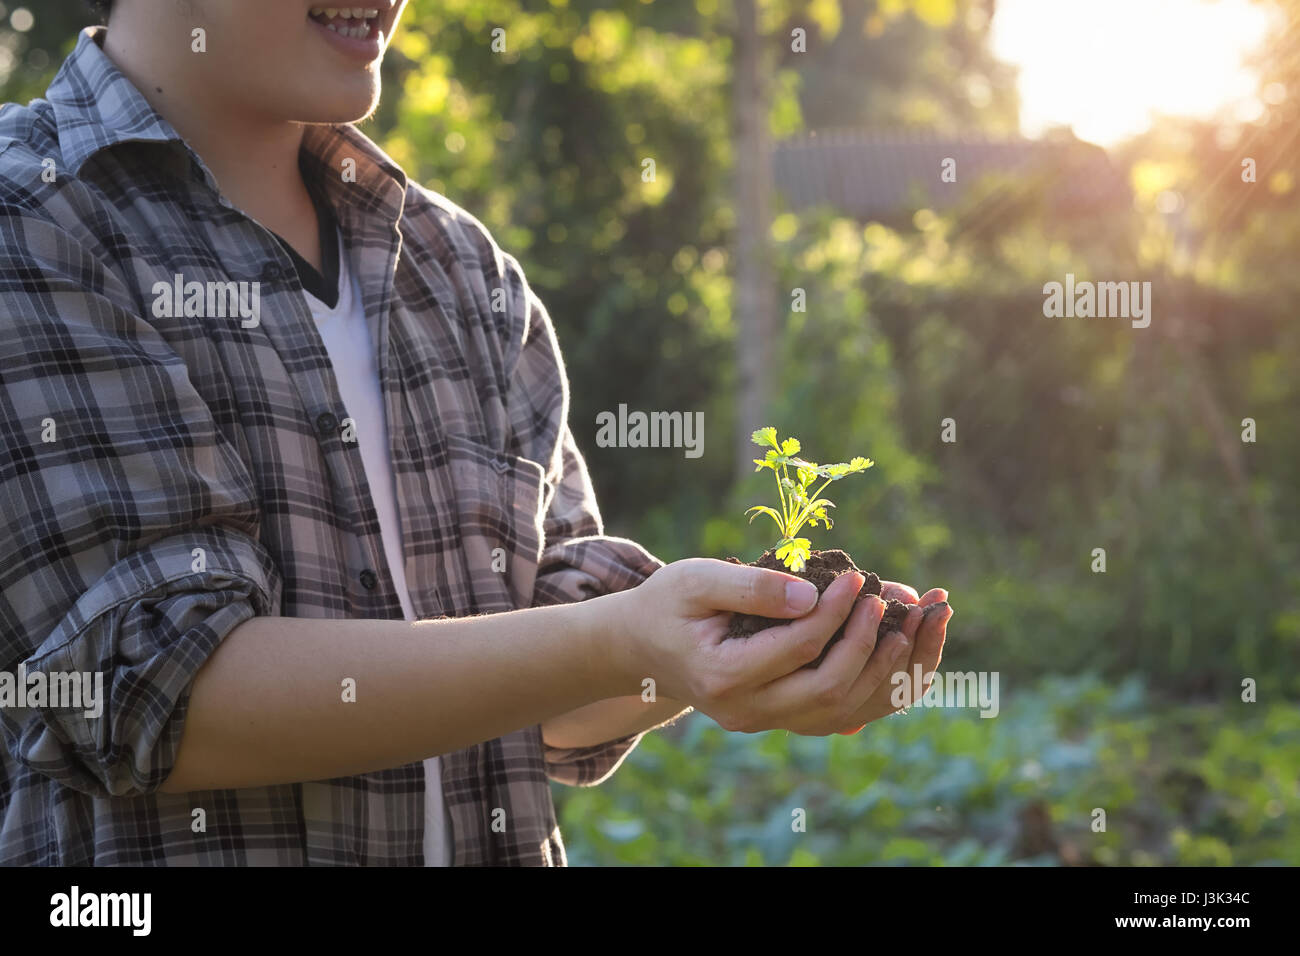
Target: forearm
(609, 719)
(268, 707)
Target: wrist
(608, 646)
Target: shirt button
(272, 272)
(326, 424)
(368, 579)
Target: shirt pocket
(500, 503)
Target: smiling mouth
(358, 23)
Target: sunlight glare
(1104, 66)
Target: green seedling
(798, 506)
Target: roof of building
(870, 174)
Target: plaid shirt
(177, 433)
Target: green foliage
(1180, 784)
(545, 143)
(798, 505)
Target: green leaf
(764, 509)
(794, 552)
(765, 436)
(790, 446)
(819, 513)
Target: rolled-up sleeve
(578, 560)
(147, 626)
(129, 542)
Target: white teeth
(361, 15)
(347, 13)
(357, 33)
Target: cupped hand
(924, 632)
(674, 629)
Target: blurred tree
(755, 308)
(34, 39)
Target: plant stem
(803, 516)
(785, 511)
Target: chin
(344, 108)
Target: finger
(889, 658)
(890, 653)
(715, 586)
(883, 677)
(933, 596)
(929, 642)
(912, 622)
(925, 651)
(927, 654)
(868, 692)
(798, 697)
(893, 591)
(777, 651)
(861, 631)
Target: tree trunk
(752, 297)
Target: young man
(265, 404)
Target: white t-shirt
(346, 335)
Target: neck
(253, 157)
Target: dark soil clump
(822, 568)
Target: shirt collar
(353, 172)
(96, 106)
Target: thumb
(722, 586)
